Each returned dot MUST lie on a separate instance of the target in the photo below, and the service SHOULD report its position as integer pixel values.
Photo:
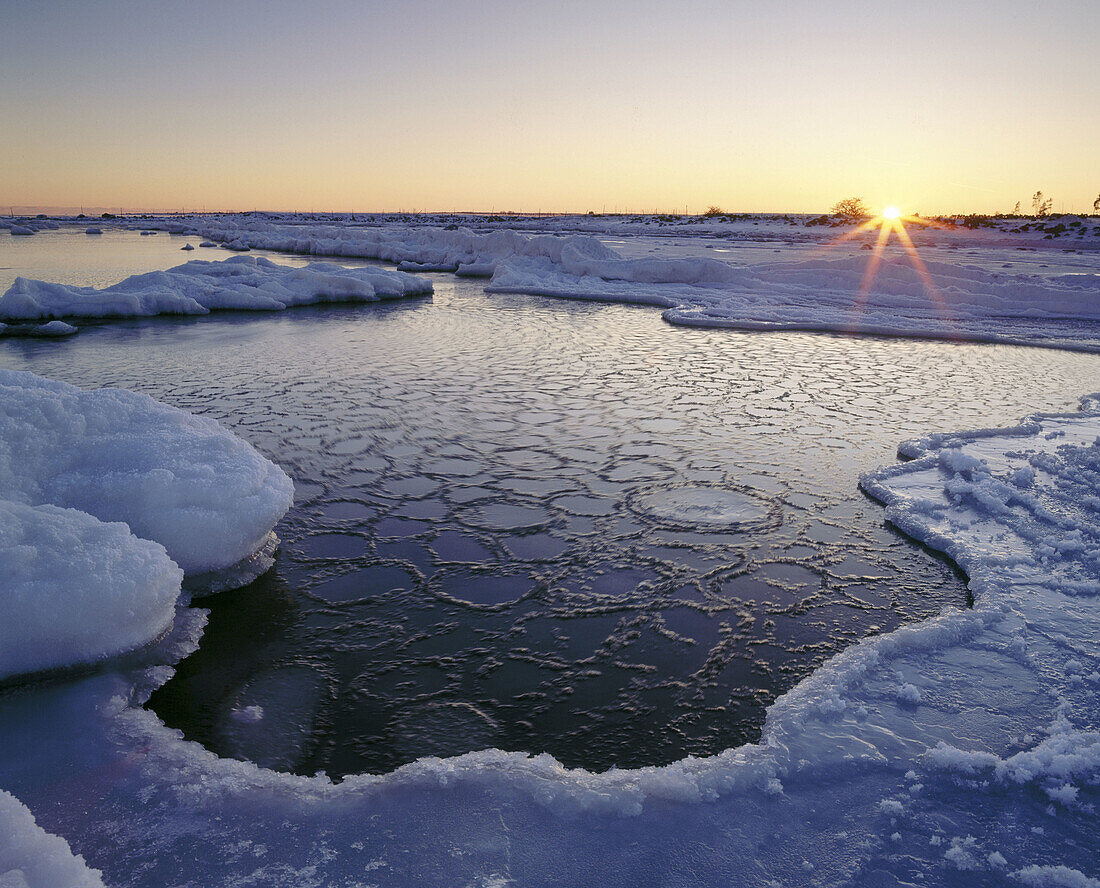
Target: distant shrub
(851, 208)
(1040, 204)
(714, 211)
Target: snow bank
(76, 589)
(243, 283)
(412, 248)
(827, 294)
(952, 302)
(183, 481)
(32, 858)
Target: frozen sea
(520, 523)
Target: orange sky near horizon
(633, 107)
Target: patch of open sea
(544, 525)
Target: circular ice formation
(705, 506)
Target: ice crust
(958, 749)
(181, 480)
(952, 302)
(243, 283)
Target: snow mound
(426, 248)
(76, 589)
(181, 480)
(30, 857)
(243, 283)
(858, 294)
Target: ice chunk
(49, 330)
(32, 857)
(704, 506)
(75, 589)
(1036, 876)
(204, 494)
(198, 287)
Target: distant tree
(714, 211)
(1040, 205)
(852, 208)
(1096, 205)
(1016, 209)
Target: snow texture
(942, 300)
(961, 750)
(181, 480)
(891, 295)
(243, 283)
(32, 858)
(76, 589)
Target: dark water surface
(547, 526)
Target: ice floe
(891, 295)
(76, 589)
(181, 480)
(243, 283)
(49, 330)
(941, 300)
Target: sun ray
(873, 263)
(925, 276)
(862, 228)
(891, 221)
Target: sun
(891, 213)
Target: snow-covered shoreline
(894, 295)
(107, 498)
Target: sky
(439, 105)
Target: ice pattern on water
(991, 769)
(469, 530)
(1010, 786)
